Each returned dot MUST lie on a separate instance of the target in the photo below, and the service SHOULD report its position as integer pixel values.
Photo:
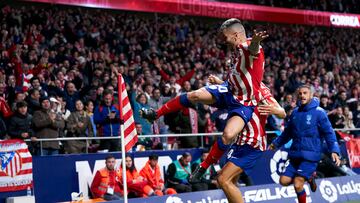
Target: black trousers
(180, 188)
(111, 145)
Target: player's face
(304, 96)
(231, 37)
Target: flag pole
(122, 137)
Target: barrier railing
(153, 136)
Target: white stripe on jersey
(240, 81)
(248, 77)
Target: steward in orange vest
(151, 173)
(107, 182)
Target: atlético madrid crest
(10, 163)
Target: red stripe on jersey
(250, 72)
(255, 142)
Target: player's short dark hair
(228, 23)
(153, 157)
(304, 86)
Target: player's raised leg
(179, 102)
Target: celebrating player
(239, 94)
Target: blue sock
(185, 101)
(221, 145)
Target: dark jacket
(19, 124)
(45, 128)
(33, 105)
(70, 100)
(308, 126)
(109, 127)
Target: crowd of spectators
(59, 67)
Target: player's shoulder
(320, 111)
(295, 110)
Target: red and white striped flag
(126, 114)
(16, 166)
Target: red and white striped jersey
(254, 132)
(246, 75)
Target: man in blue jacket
(307, 126)
(107, 116)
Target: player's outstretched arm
(254, 46)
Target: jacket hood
(314, 103)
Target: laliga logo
(328, 191)
(278, 165)
(174, 199)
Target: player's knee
(227, 136)
(194, 96)
(298, 184)
(284, 181)
(223, 181)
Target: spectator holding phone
(107, 117)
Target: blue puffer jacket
(109, 127)
(308, 126)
